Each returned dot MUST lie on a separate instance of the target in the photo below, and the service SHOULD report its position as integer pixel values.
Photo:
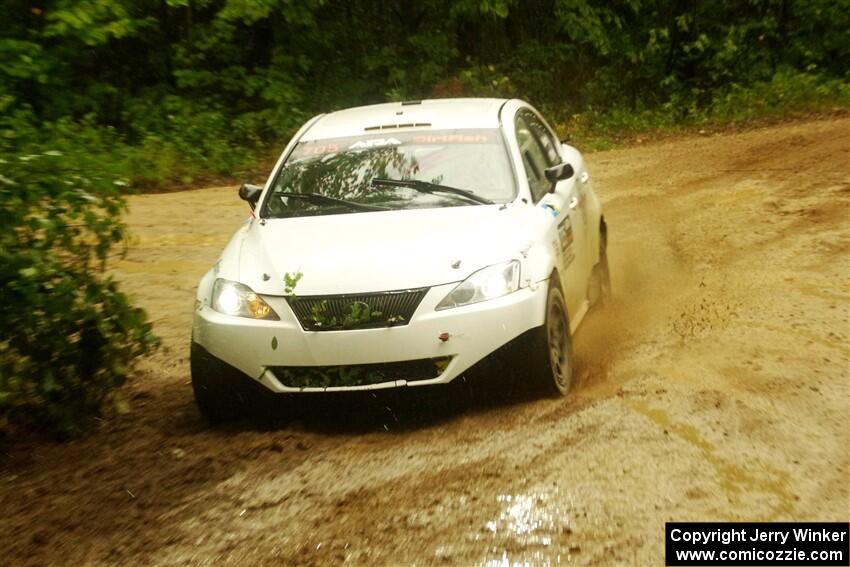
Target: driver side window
(544, 137)
(534, 158)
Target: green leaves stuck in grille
(356, 311)
(360, 374)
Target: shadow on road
(491, 384)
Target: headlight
(233, 298)
(488, 283)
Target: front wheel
(551, 356)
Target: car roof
(433, 114)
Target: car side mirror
(559, 173)
(250, 193)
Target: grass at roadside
(787, 96)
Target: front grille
(356, 311)
(360, 374)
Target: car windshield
(355, 174)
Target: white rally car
(397, 245)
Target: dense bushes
(195, 88)
(785, 94)
(68, 336)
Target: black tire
(599, 292)
(551, 350)
(216, 393)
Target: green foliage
(23, 61)
(345, 375)
(198, 88)
(290, 281)
(356, 313)
(785, 94)
(330, 376)
(93, 22)
(69, 336)
(177, 140)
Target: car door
(586, 206)
(539, 151)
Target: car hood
(381, 251)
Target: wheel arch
(555, 279)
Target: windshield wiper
(318, 198)
(427, 187)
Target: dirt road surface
(715, 388)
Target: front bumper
(255, 347)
